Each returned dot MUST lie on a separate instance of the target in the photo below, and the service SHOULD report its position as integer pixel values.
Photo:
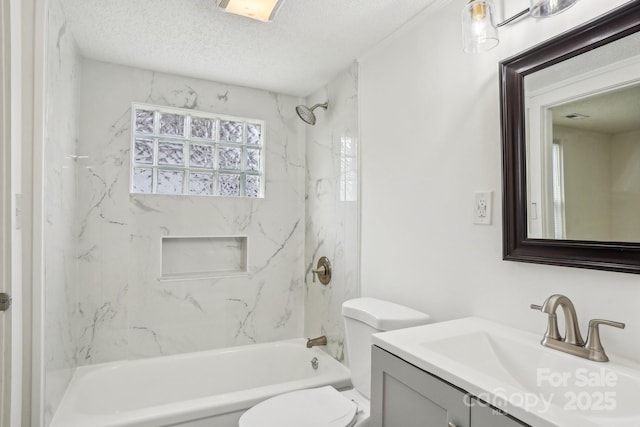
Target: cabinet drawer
(483, 415)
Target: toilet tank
(364, 317)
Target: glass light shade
(262, 10)
(544, 8)
(479, 31)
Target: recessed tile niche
(203, 257)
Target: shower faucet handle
(314, 273)
(323, 271)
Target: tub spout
(312, 342)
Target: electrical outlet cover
(482, 207)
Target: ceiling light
(262, 10)
(479, 30)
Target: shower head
(306, 113)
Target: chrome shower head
(306, 113)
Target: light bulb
(479, 33)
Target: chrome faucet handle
(594, 345)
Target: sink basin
(511, 370)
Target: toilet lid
(318, 407)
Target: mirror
(583, 146)
(571, 147)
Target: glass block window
(193, 153)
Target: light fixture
(546, 8)
(480, 31)
(262, 10)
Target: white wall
(625, 186)
(587, 183)
(332, 207)
(430, 136)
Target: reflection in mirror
(564, 205)
(583, 146)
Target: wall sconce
(480, 31)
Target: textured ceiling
(612, 113)
(308, 43)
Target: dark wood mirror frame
(613, 256)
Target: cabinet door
(483, 415)
(405, 396)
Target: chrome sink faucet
(572, 342)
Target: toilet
(326, 406)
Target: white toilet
(325, 406)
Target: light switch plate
(482, 207)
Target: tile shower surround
(332, 208)
(125, 310)
(104, 299)
(60, 145)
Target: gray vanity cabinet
(403, 395)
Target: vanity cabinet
(485, 416)
(404, 395)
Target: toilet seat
(318, 407)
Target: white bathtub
(204, 389)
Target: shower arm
(324, 105)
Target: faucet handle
(536, 307)
(595, 322)
(594, 345)
(323, 271)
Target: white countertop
(511, 370)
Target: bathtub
(204, 389)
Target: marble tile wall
(332, 208)
(61, 134)
(125, 311)
(104, 297)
